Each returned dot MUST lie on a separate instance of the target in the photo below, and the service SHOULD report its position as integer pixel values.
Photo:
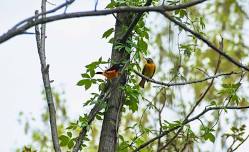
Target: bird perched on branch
(148, 70)
(113, 72)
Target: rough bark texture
(109, 132)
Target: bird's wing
(114, 67)
(143, 72)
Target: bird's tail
(99, 73)
(142, 82)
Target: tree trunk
(109, 132)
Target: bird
(112, 72)
(148, 71)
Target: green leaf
(85, 75)
(88, 84)
(85, 82)
(202, 23)
(83, 119)
(87, 102)
(70, 144)
(133, 106)
(213, 103)
(92, 72)
(142, 45)
(123, 146)
(69, 134)
(108, 33)
(98, 117)
(64, 140)
(86, 139)
(112, 4)
(81, 82)
(72, 126)
(111, 40)
(209, 136)
(182, 13)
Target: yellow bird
(148, 70)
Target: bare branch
(185, 83)
(22, 26)
(40, 39)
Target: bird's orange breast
(111, 74)
(149, 70)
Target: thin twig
(96, 4)
(241, 143)
(51, 3)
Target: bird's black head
(118, 66)
(149, 60)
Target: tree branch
(40, 39)
(184, 83)
(161, 9)
(30, 22)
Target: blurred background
(70, 45)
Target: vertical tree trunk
(109, 132)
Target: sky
(70, 45)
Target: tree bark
(109, 132)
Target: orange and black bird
(148, 70)
(112, 72)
